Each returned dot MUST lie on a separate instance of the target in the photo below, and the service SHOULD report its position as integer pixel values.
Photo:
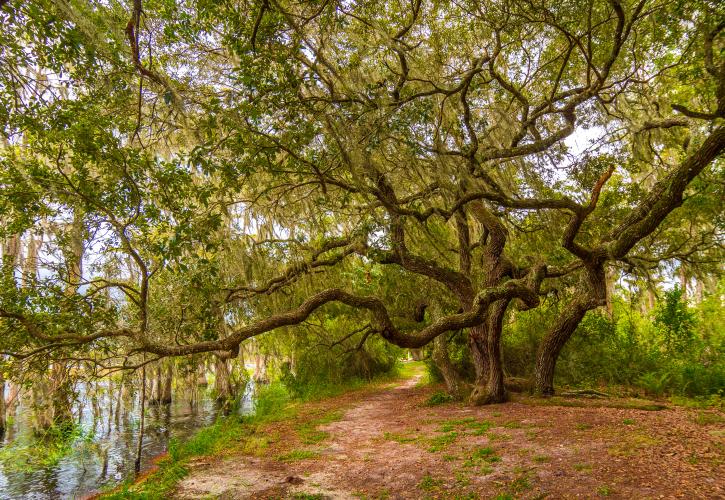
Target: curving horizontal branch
(524, 289)
(295, 271)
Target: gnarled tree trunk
(592, 294)
(486, 339)
(451, 377)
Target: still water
(104, 452)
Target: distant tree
(675, 320)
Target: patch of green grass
(604, 491)
(708, 418)
(494, 436)
(512, 425)
(481, 455)
(383, 494)
(582, 467)
(520, 484)
(399, 438)
(439, 442)
(309, 496)
(329, 417)
(308, 432)
(429, 483)
(479, 427)
(532, 434)
(630, 445)
(446, 428)
(449, 458)
(297, 455)
(483, 452)
(462, 479)
(461, 421)
(541, 459)
(312, 436)
(163, 482)
(438, 398)
(628, 421)
(255, 445)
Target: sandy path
(388, 445)
(352, 442)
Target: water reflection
(105, 451)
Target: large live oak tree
(258, 151)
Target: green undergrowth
(676, 349)
(244, 433)
(438, 398)
(711, 401)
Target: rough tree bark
(485, 339)
(610, 276)
(490, 387)
(222, 379)
(592, 294)
(451, 377)
(168, 381)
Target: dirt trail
(387, 444)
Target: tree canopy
(213, 171)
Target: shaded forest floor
(386, 443)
